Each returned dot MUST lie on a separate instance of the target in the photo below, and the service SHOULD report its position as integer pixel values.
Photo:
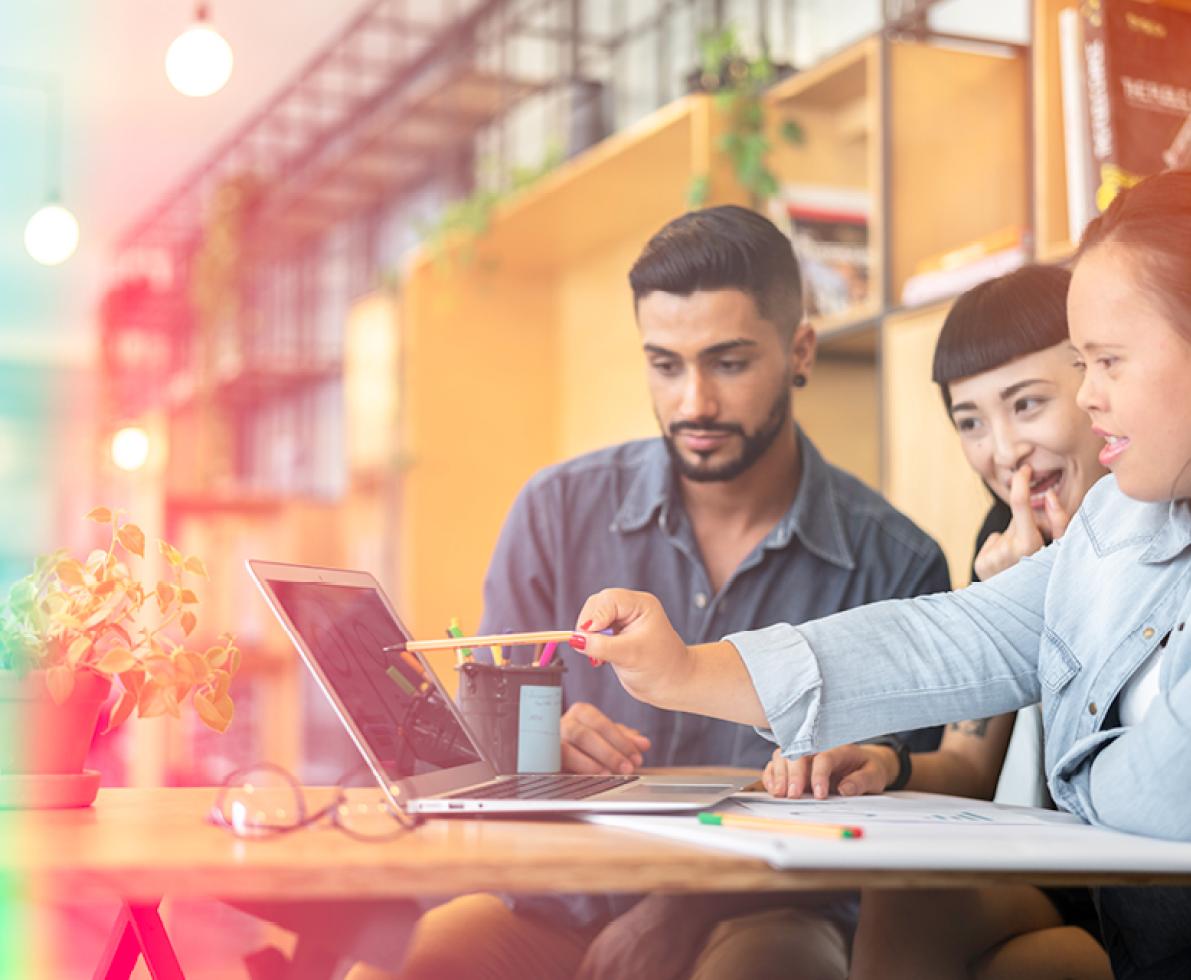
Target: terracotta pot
(38, 736)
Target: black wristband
(905, 765)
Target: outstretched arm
(891, 666)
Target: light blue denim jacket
(1068, 626)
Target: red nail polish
(594, 662)
(578, 642)
(584, 626)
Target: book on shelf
(1137, 54)
(958, 270)
(828, 227)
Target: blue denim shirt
(614, 518)
(1068, 626)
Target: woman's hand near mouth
(1022, 537)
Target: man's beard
(753, 447)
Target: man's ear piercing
(800, 381)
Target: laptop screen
(392, 702)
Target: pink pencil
(547, 653)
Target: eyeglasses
(266, 800)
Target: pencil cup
(515, 712)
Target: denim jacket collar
(1162, 527)
(814, 516)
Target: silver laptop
(408, 729)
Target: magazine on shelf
(1137, 55)
(960, 269)
(829, 229)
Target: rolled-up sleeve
(785, 674)
(902, 664)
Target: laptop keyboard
(548, 786)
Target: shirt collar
(1173, 537)
(814, 516)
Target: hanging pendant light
(199, 61)
(52, 234)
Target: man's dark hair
(999, 321)
(726, 247)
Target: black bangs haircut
(725, 247)
(999, 321)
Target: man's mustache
(697, 426)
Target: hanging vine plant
(737, 84)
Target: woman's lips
(1113, 449)
(1040, 486)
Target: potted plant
(71, 630)
(737, 83)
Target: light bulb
(199, 62)
(52, 235)
(130, 448)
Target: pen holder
(515, 712)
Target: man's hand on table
(594, 743)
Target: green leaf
(698, 192)
(793, 133)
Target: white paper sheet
(910, 831)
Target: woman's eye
(966, 425)
(1026, 404)
(1107, 361)
(1079, 365)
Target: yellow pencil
(746, 822)
(493, 640)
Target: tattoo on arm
(973, 729)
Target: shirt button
(700, 600)
(1147, 632)
(1092, 709)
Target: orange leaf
(234, 665)
(70, 572)
(188, 620)
(100, 515)
(222, 681)
(194, 564)
(104, 587)
(188, 596)
(120, 711)
(209, 714)
(225, 707)
(172, 554)
(79, 646)
(165, 594)
(60, 681)
(116, 661)
(133, 539)
(151, 700)
(216, 656)
(133, 680)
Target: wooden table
(142, 844)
